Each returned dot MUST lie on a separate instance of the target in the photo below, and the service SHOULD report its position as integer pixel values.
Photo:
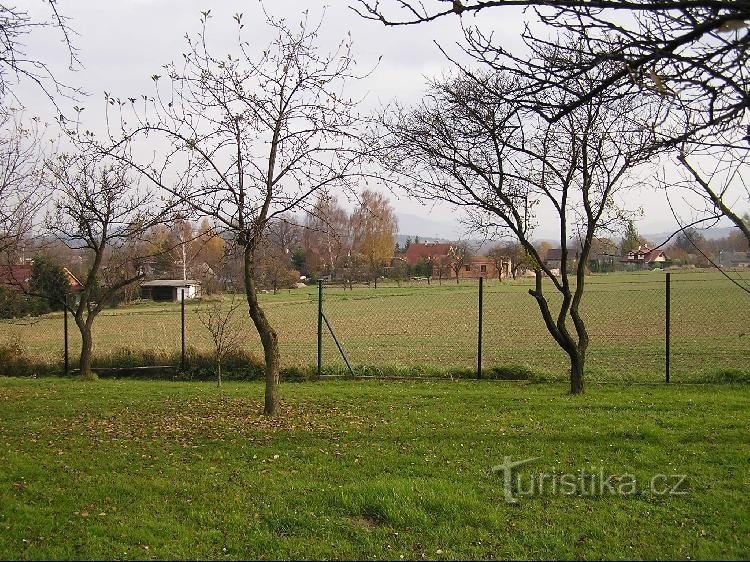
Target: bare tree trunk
(577, 360)
(218, 369)
(86, 348)
(576, 350)
(267, 334)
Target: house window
(483, 268)
(467, 268)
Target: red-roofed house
(439, 253)
(645, 255)
(19, 276)
(417, 252)
(15, 276)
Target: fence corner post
(479, 327)
(667, 326)
(320, 327)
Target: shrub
(14, 362)
(199, 365)
(16, 304)
(48, 281)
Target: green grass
(131, 469)
(420, 328)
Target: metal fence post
(667, 326)
(320, 327)
(66, 356)
(479, 330)
(182, 322)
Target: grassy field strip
(367, 470)
(435, 327)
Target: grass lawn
(436, 327)
(128, 469)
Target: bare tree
(469, 144)
(17, 26)
(441, 265)
(719, 176)
(21, 187)
(97, 211)
(275, 268)
(326, 237)
(251, 136)
(183, 230)
(501, 260)
(692, 55)
(459, 256)
(226, 327)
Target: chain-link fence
(433, 328)
(415, 328)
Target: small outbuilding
(170, 289)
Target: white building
(170, 289)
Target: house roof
(170, 283)
(556, 254)
(15, 275)
(651, 255)
(73, 281)
(417, 252)
(644, 254)
(20, 276)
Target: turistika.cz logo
(582, 483)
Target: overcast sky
(123, 42)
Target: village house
(430, 251)
(735, 259)
(645, 256)
(483, 266)
(553, 259)
(18, 277)
(439, 254)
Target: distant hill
(709, 234)
(430, 230)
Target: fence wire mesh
(414, 328)
(430, 328)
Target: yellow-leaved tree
(374, 228)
